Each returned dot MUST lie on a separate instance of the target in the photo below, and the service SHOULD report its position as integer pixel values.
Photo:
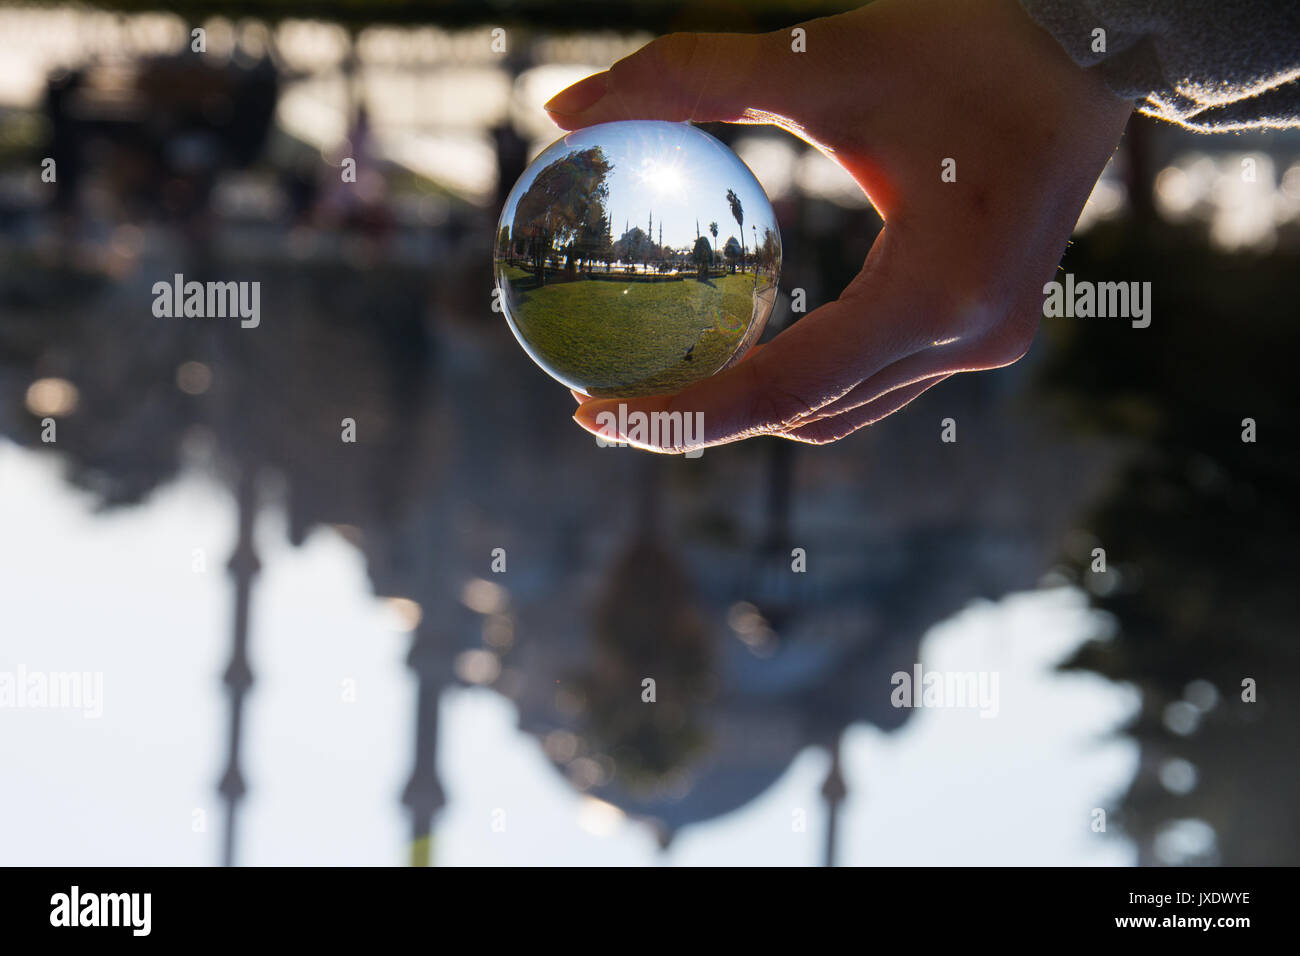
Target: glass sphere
(637, 257)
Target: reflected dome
(637, 257)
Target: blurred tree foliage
(1201, 527)
(646, 625)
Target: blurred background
(307, 653)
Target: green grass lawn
(632, 338)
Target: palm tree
(738, 213)
(713, 231)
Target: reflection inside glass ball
(636, 258)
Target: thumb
(705, 77)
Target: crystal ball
(637, 257)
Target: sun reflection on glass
(663, 177)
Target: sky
(677, 172)
(119, 593)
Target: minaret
(238, 678)
(834, 791)
(423, 794)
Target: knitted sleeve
(1208, 65)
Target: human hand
(953, 282)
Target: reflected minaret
(424, 795)
(238, 677)
(834, 791)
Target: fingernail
(586, 416)
(579, 97)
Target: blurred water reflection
(520, 557)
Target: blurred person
(357, 202)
